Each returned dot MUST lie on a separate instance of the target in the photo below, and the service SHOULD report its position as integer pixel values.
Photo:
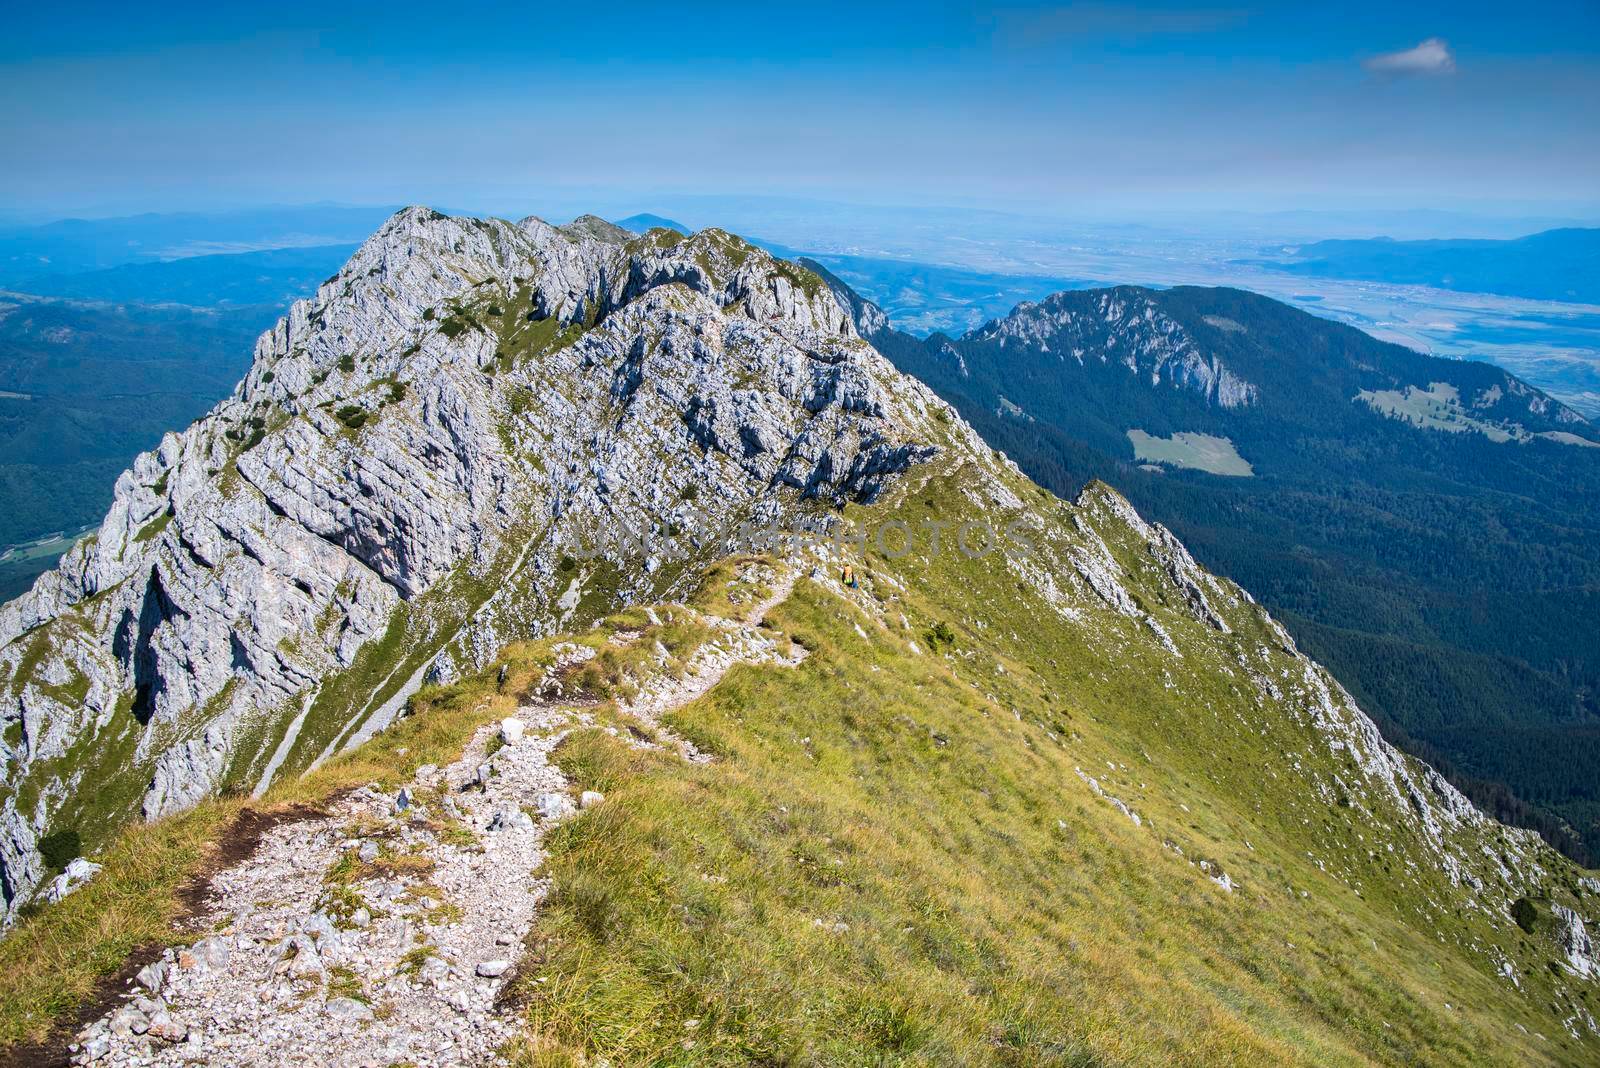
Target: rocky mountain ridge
(1127, 327)
(1131, 327)
(405, 471)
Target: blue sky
(1074, 110)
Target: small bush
(347, 363)
(60, 848)
(1525, 914)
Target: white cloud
(1432, 56)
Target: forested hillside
(83, 388)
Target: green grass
(808, 281)
(1203, 452)
(523, 335)
(50, 962)
(152, 530)
(975, 929)
(1438, 407)
(50, 547)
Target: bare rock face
(399, 486)
(1124, 326)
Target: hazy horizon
(732, 211)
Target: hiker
(849, 576)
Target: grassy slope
(894, 859)
(993, 910)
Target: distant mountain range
(645, 222)
(1430, 528)
(73, 246)
(1553, 265)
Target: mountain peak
(400, 480)
(644, 222)
(592, 226)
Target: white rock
(128, 1020)
(77, 872)
(590, 798)
(493, 969)
(555, 805)
(168, 1028)
(210, 952)
(511, 730)
(95, 1048)
(511, 819)
(152, 976)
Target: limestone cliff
(396, 488)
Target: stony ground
(385, 932)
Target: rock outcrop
(1124, 326)
(431, 456)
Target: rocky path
(737, 642)
(384, 933)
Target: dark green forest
(85, 387)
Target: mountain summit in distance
(645, 222)
(569, 645)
